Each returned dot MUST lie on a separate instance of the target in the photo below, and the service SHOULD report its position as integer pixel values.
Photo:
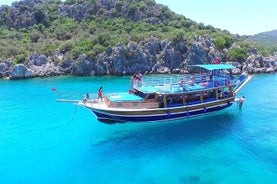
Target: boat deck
(93, 103)
(170, 85)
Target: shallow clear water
(42, 141)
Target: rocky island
(153, 39)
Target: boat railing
(74, 96)
(204, 81)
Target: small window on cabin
(212, 94)
(226, 89)
(197, 96)
(180, 99)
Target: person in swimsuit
(100, 93)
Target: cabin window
(174, 100)
(225, 92)
(212, 93)
(193, 98)
(196, 98)
(189, 97)
(209, 95)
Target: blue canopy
(215, 66)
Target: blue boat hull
(166, 115)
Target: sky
(243, 17)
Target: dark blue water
(42, 141)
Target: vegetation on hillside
(266, 41)
(45, 28)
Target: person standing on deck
(100, 93)
(191, 81)
(139, 78)
(133, 81)
(181, 81)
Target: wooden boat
(168, 98)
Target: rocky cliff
(148, 55)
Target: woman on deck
(191, 81)
(100, 93)
(181, 81)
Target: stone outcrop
(256, 63)
(66, 67)
(37, 59)
(149, 56)
(41, 66)
(4, 69)
(83, 66)
(20, 71)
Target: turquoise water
(42, 141)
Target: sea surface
(43, 141)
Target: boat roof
(214, 66)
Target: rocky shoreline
(150, 56)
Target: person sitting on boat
(133, 82)
(191, 81)
(86, 97)
(169, 99)
(181, 81)
(139, 79)
(100, 93)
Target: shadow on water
(164, 136)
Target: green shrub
(20, 59)
(66, 46)
(220, 42)
(97, 49)
(177, 36)
(34, 36)
(237, 54)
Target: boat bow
(242, 81)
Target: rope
(72, 96)
(74, 112)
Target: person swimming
(240, 102)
